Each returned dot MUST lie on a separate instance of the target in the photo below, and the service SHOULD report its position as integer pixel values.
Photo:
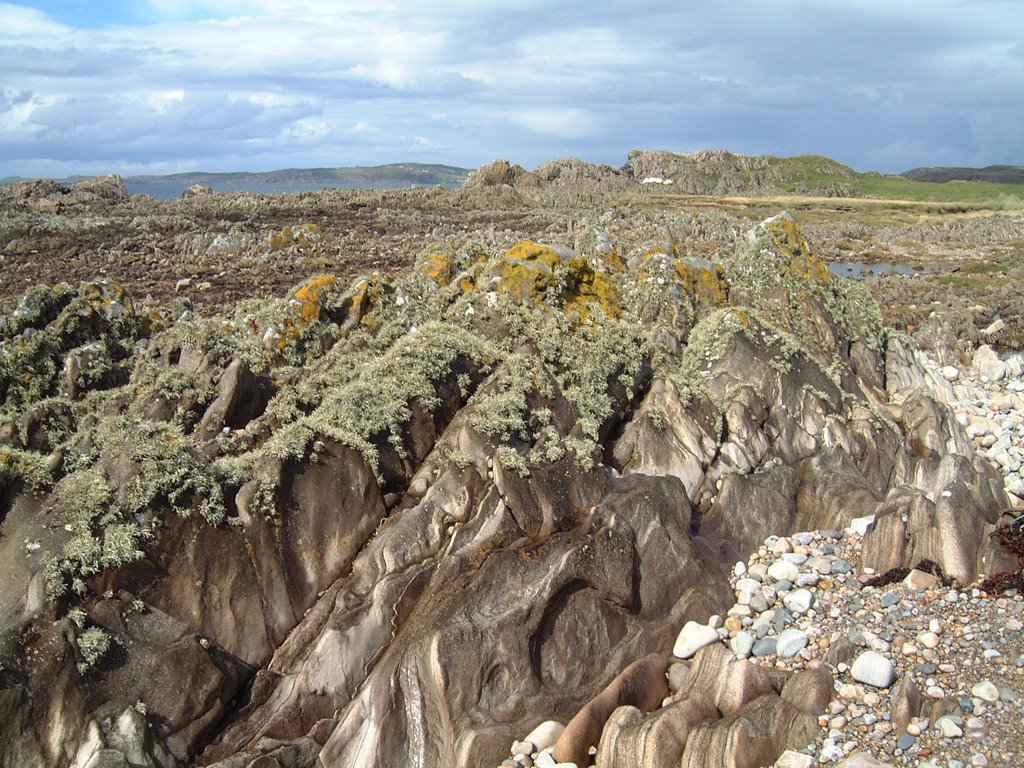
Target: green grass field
(973, 193)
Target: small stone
(677, 674)
(986, 690)
(995, 327)
(928, 639)
(860, 525)
(976, 727)
(791, 759)
(523, 748)
(798, 601)
(759, 603)
(783, 571)
(1008, 695)
(742, 644)
(692, 637)
(766, 646)
(874, 669)
(918, 580)
(790, 643)
(889, 599)
(545, 735)
(979, 760)
(950, 373)
(949, 728)
(851, 692)
(862, 760)
(906, 741)
(782, 546)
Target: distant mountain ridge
(393, 173)
(995, 174)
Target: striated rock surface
(406, 520)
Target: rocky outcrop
(406, 520)
(47, 195)
(717, 172)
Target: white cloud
(259, 82)
(566, 123)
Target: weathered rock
(361, 556)
(241, 397)
(641, 685)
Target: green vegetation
(993, 174)
(975, 194)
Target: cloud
(172, 83)
(566, 123)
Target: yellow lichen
(528, 270)
(590, 288)
(539, 274)
(438, 268)
(305, 305)
(702, 280)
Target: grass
(975, 194)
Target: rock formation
(403, 521)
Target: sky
(168, 86)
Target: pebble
(949, 727)
(545, 735)
(781, 570)
(790, 643)
(742, 644)
(872, 668)
(986, 691)
(799, 601)
(692, 637)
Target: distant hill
(375, 175)
(995, 174)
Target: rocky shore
(925, 672)
(405, 516)
(922, 674)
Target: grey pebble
(764, 647)
(906, 741)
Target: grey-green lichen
(93, 645)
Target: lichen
(93, 645)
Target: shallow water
(171, 190)
(858, 270)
